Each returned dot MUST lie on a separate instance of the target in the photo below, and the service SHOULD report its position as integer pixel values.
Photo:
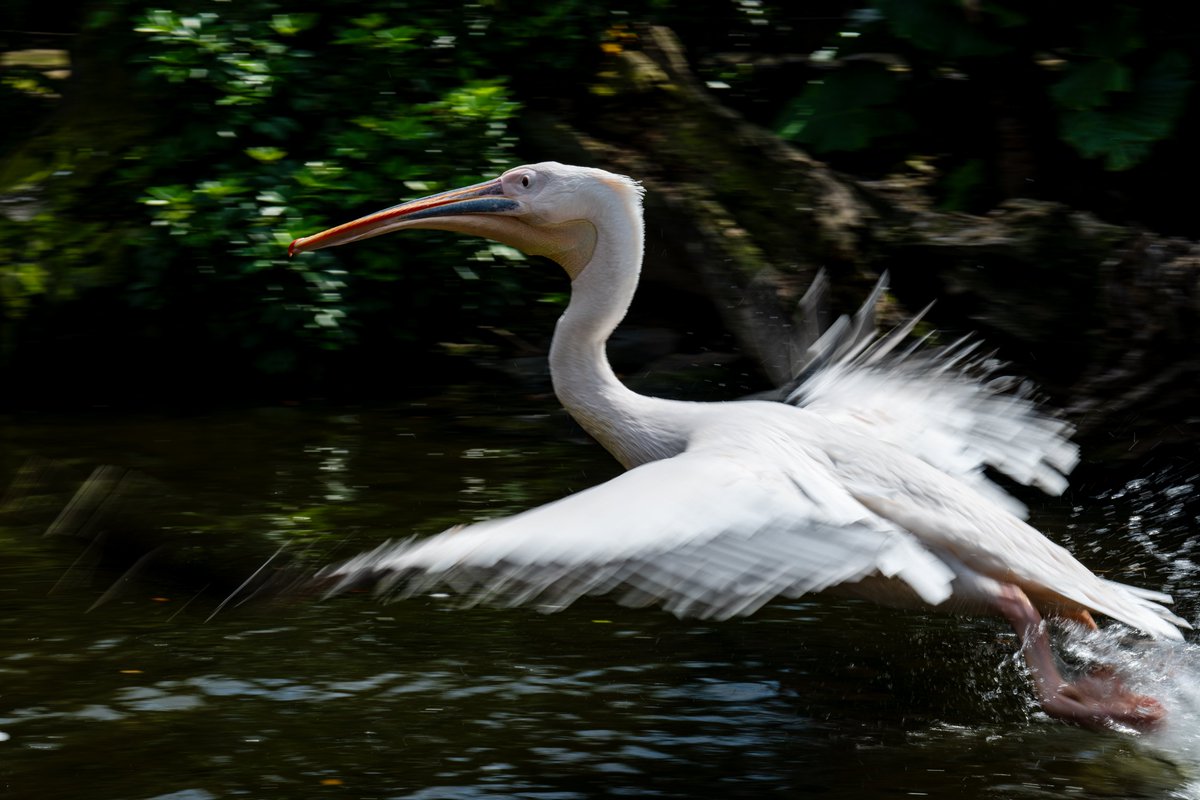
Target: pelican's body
(873, 487)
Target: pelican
(869, 482)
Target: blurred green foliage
(248, 124)
(146, 201)
(937, 77)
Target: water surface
(146, 696)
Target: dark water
(146, 697)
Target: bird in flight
(868, 481)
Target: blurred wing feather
(702, 533)
(943, 407)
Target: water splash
(1167, 671)
(1156, 520)
(1154, 523)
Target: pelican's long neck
(623, 421)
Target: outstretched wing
(944, 405)
(705, 534)
(956, 421)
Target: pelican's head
(546, 209)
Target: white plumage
(868, 480)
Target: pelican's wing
(943, 407)
(1000, 545)
(818, 343)
(701, 532)
(842, 340)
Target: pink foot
(1100, 700)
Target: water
(146, 697)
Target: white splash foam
(1167, 671)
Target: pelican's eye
(521, 181)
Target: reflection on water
(143, 698)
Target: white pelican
(873, 486)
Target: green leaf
(1123, 131)
(961, 185)
(940, 26)
(265, 154)
(1087, 85)
(291, 24)
(847, 111)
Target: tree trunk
(1105, 317)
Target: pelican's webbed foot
(1098, 700)
(1101, 700)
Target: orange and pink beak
(482, 198)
